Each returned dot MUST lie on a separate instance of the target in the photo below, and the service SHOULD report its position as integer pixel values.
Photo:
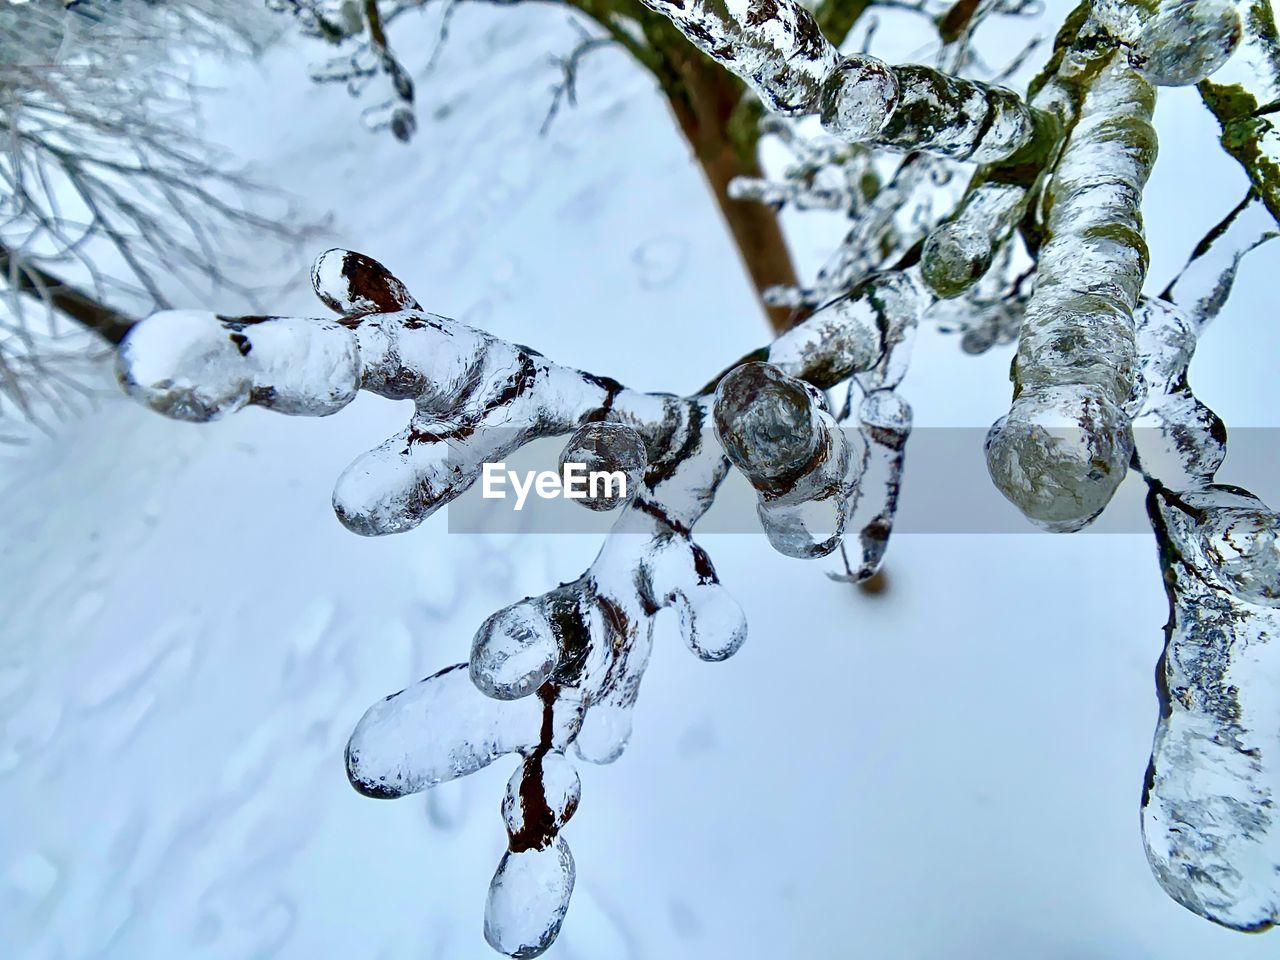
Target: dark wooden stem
(71, 301)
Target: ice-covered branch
(777, 48)
(1245, 95)
(562, 669)
(1208, 806)
(1065, 445)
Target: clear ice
(556, 676)
(1065, 444)
(558, 672)
(1208, 804)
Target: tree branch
(68, 300)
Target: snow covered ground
(948, 770)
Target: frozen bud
(513, 652)
(1243, 549)
(350, 284)
(1186, 41)
(606, 448)
(857, 98)
(1060, 454)
(955, 255)
(767, 423)
(541, 796)
(777, 431)
(198, 367)
(528, 898)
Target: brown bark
(66, 299)
(707, 102)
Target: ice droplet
(766, 422)
(545, 789)
(1060, 454)
(513, 652)
(528, 898)
(605, 447)
(777, 431)
(857, 98)
(954, 256)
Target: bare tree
(108, 194)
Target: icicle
(885, 419)
(1065, 445)
(1209, 818)
(1208, 807)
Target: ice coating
(1242, 548)
(858, 97)
(1065, 445)
(550, 672)
(198, 367)
(371, 66)
(513, 653)
(866, 325)
(1242, 95)
(847, 335)
(1208, 803)
(388, 757)
(958, 253)
(825, 173)
(775, 46)
(528, 899)
(885, 420)
(607, 447)
(778, 432)
(956, 118)
(1186, 41)
(1209, 820)
(1177, 438)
